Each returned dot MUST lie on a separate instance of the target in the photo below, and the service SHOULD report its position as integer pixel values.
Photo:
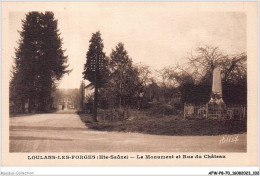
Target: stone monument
(216, 106)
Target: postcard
(129, 84)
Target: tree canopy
(197, 75)
(39, 63)
(95, 69)
(123, 86)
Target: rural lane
(65, 132)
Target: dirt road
(64, 132)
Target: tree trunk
(95, 104)
(30, 105)
(42, 105)
(120, 101)
(23, 106)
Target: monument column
(216, 105)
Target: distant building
(89, 91)
(65, 103)
(88, 98)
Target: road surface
(65, 132)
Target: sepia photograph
(128, 77)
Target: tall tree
(124, 76)
(39, 62)
(95, 69)
(52, 61)
(22, 83)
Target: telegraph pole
(96, 88)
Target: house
(88, 97)
(88, 91)
(65, 103)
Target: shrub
(113, 114)
(158, 108)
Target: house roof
(90, 85)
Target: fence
(237, 112)
(206, 111)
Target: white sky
(156, 36)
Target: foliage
(196, 79)
(151, 93)
(95, 69)
(135, 85)
(144, 74)
(38, 64)
(167, 125)
(124, 86)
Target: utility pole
(96, 88)
(94, 66)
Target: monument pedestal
(216, 109)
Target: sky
(157, 36)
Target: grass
(167, 125)
(29, 114)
